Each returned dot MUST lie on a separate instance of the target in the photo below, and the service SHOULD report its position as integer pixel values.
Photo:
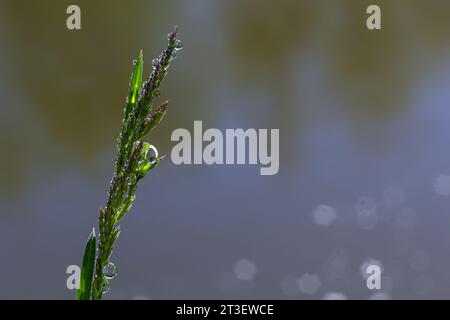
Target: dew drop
(155, 62)
(110, 270)
(178, 45)
(134, 62)
(152, 154)
(106, 286)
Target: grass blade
(87, 269)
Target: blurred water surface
(365, 160)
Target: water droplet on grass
(152, 154)
(178, 45)
(110, 270)
(106, 286)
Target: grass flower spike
(133, 161)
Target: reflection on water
(364, 138)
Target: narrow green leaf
(136, 80)
(87, 269)
(135, 86)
